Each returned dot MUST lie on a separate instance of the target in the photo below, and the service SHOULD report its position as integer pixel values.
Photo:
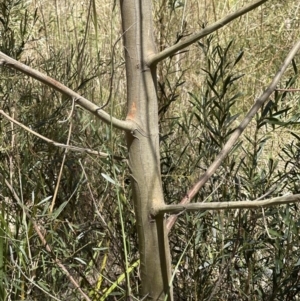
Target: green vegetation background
(203, 93)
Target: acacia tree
(141, 128)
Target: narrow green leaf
(108, 178)
(240, 55)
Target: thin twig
(70, 147)
(111, 80)
(63, 160)
(265, 224)
(287, 90)
(70, 114)
(91, 193)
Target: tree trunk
(143, 147)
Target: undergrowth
(203, 94)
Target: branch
(69, 147)
(236, 134)
(154, 59)
(84, 103)
(225, 205)
(288, 90)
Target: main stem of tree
(143, 147)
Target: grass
(78, 44)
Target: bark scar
(132, 111)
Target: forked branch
(83, 102)
(154, 59)
(236, 134)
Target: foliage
(241, 254)
(91, 229)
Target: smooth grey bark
(143, 148)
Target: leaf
(274, 233)
(227, 245)
(211, 86)
(275, 121)
(231, 119)
(267, 108)
(296, 136)
(58, 211)
(281, 112)
(294, 66)
(43, 285)
(44, 200)
(228, 47)
(108, 178)
(80, 260)
(202, 46)
(240, 55)
(234, 78)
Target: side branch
(288, 90)
(236, 134)
(154, 59)
(69, 147)
(226, 205)
(84, 103)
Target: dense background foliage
(203, 93)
